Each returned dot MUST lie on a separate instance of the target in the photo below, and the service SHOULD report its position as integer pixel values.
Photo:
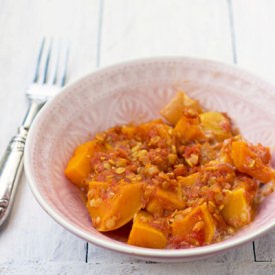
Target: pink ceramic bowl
(136, 91)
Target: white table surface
(102, 33)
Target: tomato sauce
(185, 182)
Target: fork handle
(10, 170)
(11, 163)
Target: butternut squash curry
(187, 182)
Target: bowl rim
(116, 245)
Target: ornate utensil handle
(11, 163)
(10, 171)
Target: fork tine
(55, 59)
(36, 73)
(58, 64)
(63, 63)
(43, 64)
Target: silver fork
(50, 75)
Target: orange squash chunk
(249, 185)
(198, 226)
(189, 180)
(110, 209)
(129, 130)
(215, 125)
(147, 126)
(97, 194)
(164, 200)
(236, 212)
(79, 165)
(179, 104)
(248, 162)
(144, 234)
(188, 129)
(158, 127)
